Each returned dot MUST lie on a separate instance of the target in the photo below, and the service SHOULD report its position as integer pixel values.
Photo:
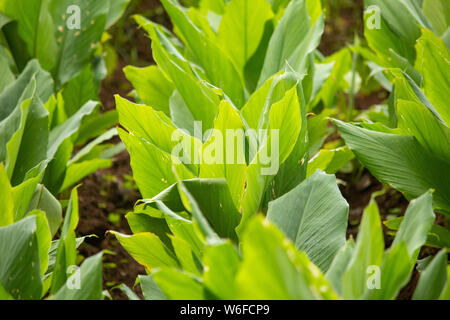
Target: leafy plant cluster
(227, 231)
(48, 108)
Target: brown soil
(105, 197)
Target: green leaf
(368, 252)
(6, 199)
(401, 162)
(330, 161)
(284, 125)
(218, 67)
(339, 265)
(438, 14)
(28, 145)
(20, 90)
(433, 278)
(224, 151)
(220, 264)
(66, 252)
(141, 222)
(419, 218)
(395, 272)
(419, 122)
(45, 201)
(152, 87)
(19, 267)
(150, 289)
(147, 249)
(242, 25)
(314, 216)
(35, 27)
(75, 46)
(212, 197)
(177, 285)
(152, 167)
(285, 273)
(79, 90)
(77, 171)
(116, 10)
(433, 62)
(90, 282)
(292, 41)
(65, 131)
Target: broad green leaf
(77, 171)
(147, 249)
(90, 282)
(419, 122)
(393, 50)
(433, 61)
(88, 151)
(419, 218)
(438, 236)
(20, 272)
(185, 229)
(342, 61)
(75, 46)
(45, 201)
(152, 87)
(283, 131)
(189, 263)
(242, 27)
(199, 98)
(141, 222)
(285, 273)
(433, 278)
(152, 167)
(224, 152)
(7, 77)
(339, 265)
(212, 198)
(177, 285)
(44, 238)
(220, 266)
(92, 127)
(292, 41)
(28, 145)
(330, 161)
(395, 272)
(65, 131)
(23, 193)
(401, 162)
(445, 295)
(35, 27)
(150, 289)
(218, 67)
(66, 252)
(6, 199)
(116, 10)
(398, 19)
(156, 128)
(314, 216)
(79, 90)
(368, 253)
(438, 14)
